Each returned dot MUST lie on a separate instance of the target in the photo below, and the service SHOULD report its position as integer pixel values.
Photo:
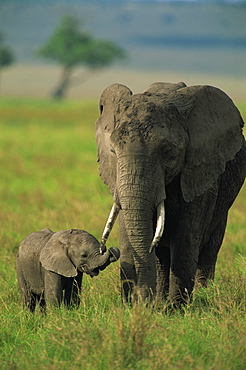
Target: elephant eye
(84, 255)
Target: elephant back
(28, 259)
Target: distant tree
(71, 46)
(6, 55)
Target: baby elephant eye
(84, 255)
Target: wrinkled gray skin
(181, 145)
(50, 266)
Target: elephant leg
(30, 301)
(27, 298)
(53, 288)
(41, 302)
(76, 290)
(208, 256)
(67, 284)
(186, 244)
(181, 284)
(184, 251)
(163, 272)
(127, 267)
(230, 184)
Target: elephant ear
(54, 257)
(214, 127)
(109, 105)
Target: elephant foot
(204, 275)
(133, 295)
(143, 295)
(180, 292)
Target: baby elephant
(50, 266)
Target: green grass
(49, 178)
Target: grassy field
(49, 178)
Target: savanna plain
(49, 178)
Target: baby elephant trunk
(111, 255)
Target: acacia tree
(6, 55)
(70, 46)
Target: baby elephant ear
(53, 256)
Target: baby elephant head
(70, 251)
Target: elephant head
(71, 250)
(146, 142)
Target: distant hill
(158, 35)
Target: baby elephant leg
(28, 299)
(72, 290)
(76, 290)
(53, 289)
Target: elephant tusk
(159, 226)
(110, 223)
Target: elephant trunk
(142, 203)
(113, 254)
(98, 262)
(141, 199)
(138, 223)
(137, 186)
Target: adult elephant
(174, 159)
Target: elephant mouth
(87, 271)
(94, 272)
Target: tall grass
(49, 178)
